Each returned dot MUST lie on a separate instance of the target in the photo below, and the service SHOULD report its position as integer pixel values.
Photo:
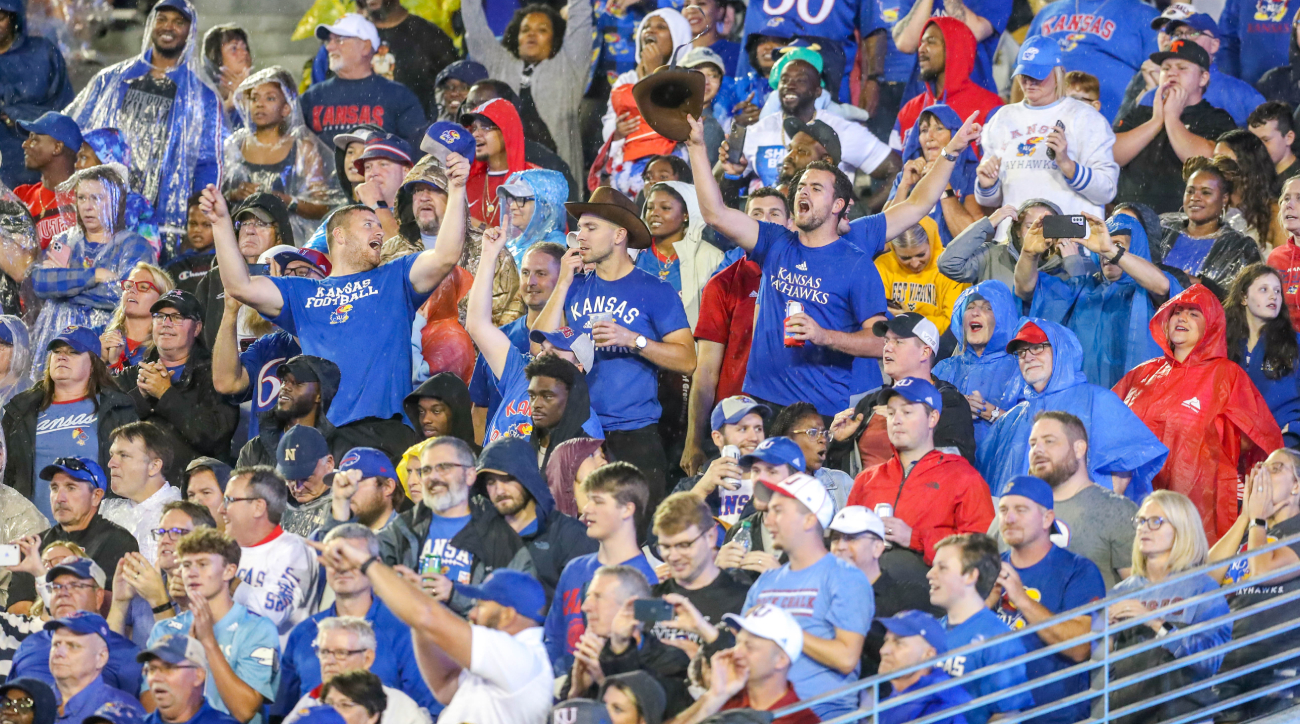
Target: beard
(297, 409)
(510, 506)
(430, 227)
(1059, 471)
(812, 221)
(442, 502)
(930, 75)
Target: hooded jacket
(960, 93)
(548, 221)
(1110, 319)
(995, 374)
(577, 411)
(1118, 442)
(927, 292)
(261, 450)
(1203, 409)
(480, 191)
(449, 388)
(558, 538)
(191, 410)
(191, 158)
(962, 179)
(697, 258)
(33, 80)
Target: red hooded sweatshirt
(942, 496)
(1201, 409)
(1286, 259)
(481, 189)
(960, 93)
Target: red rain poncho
(1201, 409)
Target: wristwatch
(641, 342)
(952, 157)
(381, 204)
(1260, 523)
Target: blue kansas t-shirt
(481, 390)
(64, 429)
(981, 627)
(457, 564)
(514, 414)
(624, 385)
(361, 322)
(839, 288)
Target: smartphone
(259, 270)
(652, 610)
(736, 143)
(1051, 152)
(9, 554)
(1062, 226)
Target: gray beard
(442, 502)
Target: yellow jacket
(928, 292)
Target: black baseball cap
(1186, 50)
(820, 132)
(185, 303)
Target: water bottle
(745, 537)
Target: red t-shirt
(727, 308)
(43, 204)
(741, 701)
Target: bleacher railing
(1104, 656)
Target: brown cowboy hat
(617, 209)
(667, 96)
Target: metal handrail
(1107, 656)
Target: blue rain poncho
(1118, 441)
(1111, 319)
(994, 374)
(33, 80)
(550, 191)
(962, 179)
(175, 143)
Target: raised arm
(228, 374)
(552, 315)
(260, 293)
(1145, 273)
(433, 265)
(1032, 247)
(907, 32)
(900, 217)
(731, 223)
(491, 341)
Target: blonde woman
(128, 336)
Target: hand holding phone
(652, 610)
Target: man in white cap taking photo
(756, 673)
(826, 594)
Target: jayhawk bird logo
(1272, 11)
(1027, 148)
(79, 436)
(1071, 41)
(340, 315)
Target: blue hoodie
(994, 374)
(963, 173)
(1111, 319)
(550, 191)
(33, 80)
(1118, 441)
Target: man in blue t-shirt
(637, 323)
(966, 567)
(831, 599)
(808, 352)
(1038, 581)
(360, 316)
(616, 501)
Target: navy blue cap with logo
(300, 448)
(1035, 489)
(777, 451)
(81, 622)
(81, 339)
(57, 126)
(372, 462)
(916, 389)
(445, 137)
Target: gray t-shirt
(1096, 524)
(305, 518)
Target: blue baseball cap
(569, 340)
(579, 711)
(300, 448)
(57, 126)
(1038, 56)
(323, 714)
(732, 409)
(372, 463)
(176, 649)
(1200, 22)
(115, 712)
(81, 469)
(81, 622)
(179, 6)
(1028, 486)
(917, 623)
(82, 339)
(915, 389)
(83, 568)
(777, 451)
(445, 137)
(512, 588)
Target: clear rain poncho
(18, 245)
(173, 124)
(305, 174)
(549, 192)
(64, 276)
(15, 379)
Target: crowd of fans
(486, 371)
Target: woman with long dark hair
(1262, 340)
(1196, 244)
(1254, 207)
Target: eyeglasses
(815, 433)
(173, 317)
(227, 500)
(441, 468)
(159, 533)
(253, 223)
(304, 272)
(520, 201)
(58, 588)
(338, 654)
(1149, 523)
(1186, 33)
(665, 549)
(1033, 349)
(17, 704)
(140, 286)
(850, 537)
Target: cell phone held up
(1051, 152)
(652, 610)
(736, 143)
(1062, 226)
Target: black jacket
(19, 423)
(199, 419)
(261, 449)
(452, 390)
(667, 664)
(559, 538)
(955, 428)
(1283, 82)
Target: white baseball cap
(807, 490)
(857, 519)
(351, 25)
(774, 624)
(1175, 11)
